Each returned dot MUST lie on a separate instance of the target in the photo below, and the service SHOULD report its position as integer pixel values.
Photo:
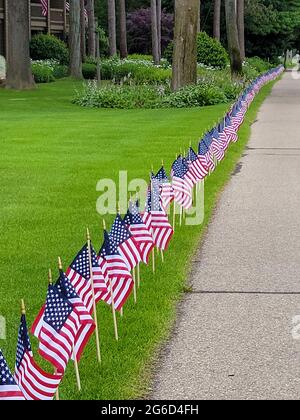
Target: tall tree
(82, 30)
(241, 26)
(75, 40)
(90, 7)
(123, 29)
(233, 38)
(158, 13)
(19, 75)
(217, 19)
(185, 43)
(155, 47)
(199, 18)
(111, 11)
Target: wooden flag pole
(153, 261)
(180, 215)
(55, 370)
(60, 267)
(98, 348)
(134, 285)
(162, 256)
(138, 276)
(174, 214)
(77, 371)
(113, 309)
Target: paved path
(233, 338)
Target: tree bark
(123, 29)
(158, 14)
(185, 43)
(74, 40)
(155, 48)
(82, 30)
(233, 39)
(18, 75)
(91, 28)
(217, 20)
(199, 18)
(112, 28)
(241, 26)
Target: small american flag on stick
(116, 273)
(32, 380)
(9, 390)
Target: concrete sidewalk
(233, 338)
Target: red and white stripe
(34, 383)
(166, 193)
(182, 192)
(115, 271)
(143, 238)
(11, 393)
(158, 223)
(130, 252)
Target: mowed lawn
(52, 155)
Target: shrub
(211, 52)
(89, 71)
(195, 96)
(60, 71)
(260, 65)
(139, 57)
(44, 47)
(121, 97)
(42, 73)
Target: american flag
(9, 390)
(190, 176)
(217, 147)
(139, 231)
(116, 272)
(200, 171)
(205, 156)
(156, 219)
(44, 4)
(223, 137)
(58, 329)
(230, 130)
(166, 189)
(237, 117)
(79, 274)
(126, 243)
(32, 380)
(182, 188)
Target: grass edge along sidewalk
(103, 380)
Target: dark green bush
(168, 53)
(89, 71)
(42, 74)
(211, 52)
(60, 71)
(45, 47)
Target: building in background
(56, 21)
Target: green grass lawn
(52, 155)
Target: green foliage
(144, 57)
(103, 42)
(211, 52)
(195, 96)
(45, 47)
(42, 73)
(60, 71)
(259, 64)
(89, 70)
(121, 97)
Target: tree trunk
(74, 40)
(217, 20)
(199, 18)
(241, 26)
(185, 43)
(233, 38)
(18, 75)
(112, 28)
(155, 48)
(158, 14)
(123, 29)
(91, 28)
(82, 30)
